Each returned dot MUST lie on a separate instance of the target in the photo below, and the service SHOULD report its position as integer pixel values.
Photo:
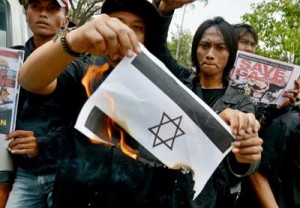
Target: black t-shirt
(210, 96)
(51, 118)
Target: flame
(91, 79)
(92, 73)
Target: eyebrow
(251, 42)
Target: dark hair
(230, 39)
(243, 28)
(142, 8)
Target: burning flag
(160, 113)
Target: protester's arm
(102, 36)
(5, 186)
(166, 7)
(263, 191)
(4, 193)
(157, 43)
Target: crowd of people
(57, 166)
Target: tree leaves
(277, 23)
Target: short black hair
(230, 39)
(243, 28)
(142, 8)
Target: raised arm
(158, 42)
(102, 36)
(166, 7)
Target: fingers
(240, 144)
(291, 93)
(245, 123)
(127, 42)
(249, 124)
(247, 147)
(19, 133)
(24, 142)
(239, 122)
(229, 117)
(248, 150)
(22, 146)
(292, 96)
(104, 36)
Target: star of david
(167, 131)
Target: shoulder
(238, 100)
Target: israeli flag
(160, 113)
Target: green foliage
(278, 25)
(185, 45)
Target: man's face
(212, 53)
(45, 17)
(247, 43)
(136, 23)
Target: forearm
(166, 7)
(263, 191)
(4, 193)
(39, 72)
(157, 45)
(240, 170)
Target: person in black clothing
(100, 175)
(42, 125)
(209, 79)
(276, 183)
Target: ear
(66, 22)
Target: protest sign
(263, 79)
(10, 62)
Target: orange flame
(94, 74)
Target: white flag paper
(164, 116)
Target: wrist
(62, 36)
(164, 9)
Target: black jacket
(101, 176)
(47, 117)
(216, 193)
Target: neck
(38, 40)
(211, 82)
